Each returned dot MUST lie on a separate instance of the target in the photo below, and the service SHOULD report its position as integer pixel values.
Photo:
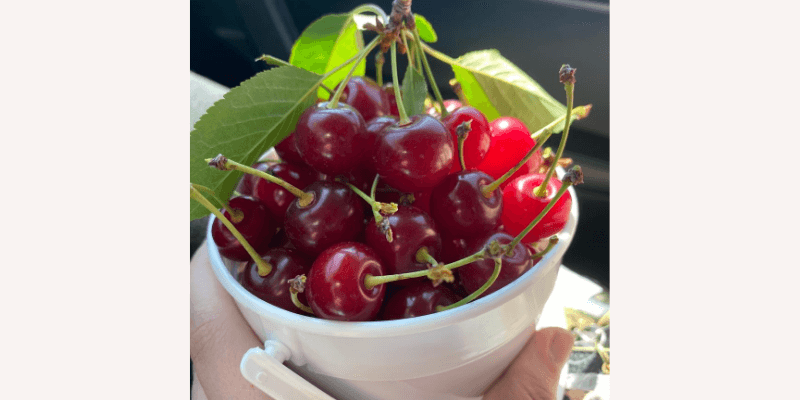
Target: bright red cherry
(274, 288)
(459, 207)
(521, 206)
(478, 140)
(412, 229)
(366, 97)
(474, 275)
(415, 156)
(331, 141)
(287, 150)
(417, 300)
(276, 198)
(336, 214)
(335, 286)
(257, 227)
(510, 142)
(245, 185)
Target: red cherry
(274, 288)
(478, 140)
(276, 198)
(475, 275)
(415, 156)
(387, 194)
(335, 284)
(388, 90)
(336, 214)
(331, 141)
(257, 227)
(459, 207)
(366, 97)
(287, 150)
(417, 300)
(454, 249)
(412, 230)
(510, 142)
(375, 129)
(521, 206)
(245, 185)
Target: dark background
(538, 36)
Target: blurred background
(536, 35)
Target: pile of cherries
(362, 194)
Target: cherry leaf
(414, 91)
(497, 87)
(245, 123)
(327, 43)
(425, 29)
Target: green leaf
(414, 91)
(327, 43)
(425, 29)
(497, 87)
(245, 123)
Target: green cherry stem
(423, 256)
(272, 60)
(567, 77)
(379, 61)
(236, 215)
(374, 187)
(578, 113)
(429, 72)
(300, 305)
(401, 109)
(462, 132)
(298, 285)
(378, 208)
(264, 268)
(550, 244)
(437, 55)
(373, 9)
(361, 54)
(498, 262)
(409, 53)
(222, 163)
(371, 281)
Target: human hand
(220, 336)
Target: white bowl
(453, 354)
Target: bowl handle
(264, 368)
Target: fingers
(219, 336)
(535, 372)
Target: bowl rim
(395, 327)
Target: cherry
(366, 97)
(245, 185)
(421, 200)
(391, 100)
(331, 140)
(375, 128)
(454, 249)
(521, 205)
(415, 156)
(510, 142)
(478, 139)
(274, 288)
(475, 274)
(451, 105)
(335, 214)
(256, 226)
(459, 207)
(417, 300)
(287, 150)
(335, 284)
(276, 198)
(412, 230)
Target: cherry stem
(550, 244)
(569, 87)
(401, 109)
(429, 72)
(488, 189)
(300, 305)
(262, 265)
(360, 56)
(462, 132)
(379, 61)
(498, 262)
(459, 91)
(564, 186)
(378, 208)
(272, 60)
(423, 256)
(579, 112)
(374, 187)
(373, 9)
(371, 281)
(409, 53)
(224, 164)
(236, 215)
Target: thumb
(534, 374)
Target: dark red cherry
(336, 214)
(375, 128)
(521, 206)
(417, 300)
(454, 249)
(510, 142)
(412, 229)
(475, 274)
(245, 185)
(257, 227)
(276, 198)
(416, 156)
(287, 150)
(388, 90)
(478, 140)
(461, 210)
(421, 200)
(331, 141)
(365, 96)
(335, 285)
(274, 288)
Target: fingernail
(561, 347)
